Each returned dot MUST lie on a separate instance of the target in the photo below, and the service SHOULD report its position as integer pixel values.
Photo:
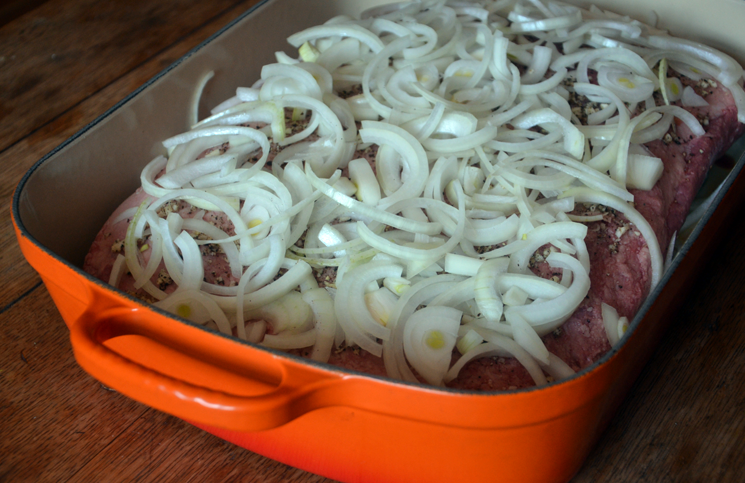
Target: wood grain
(16, 277)
(59, 424)
(54, 409)
(683, 421)
(685, 418)
(65, 51)
(12, 9)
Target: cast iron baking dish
(343, 425)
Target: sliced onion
(287, 315)
(610, 322)
(574, 140)
(546, 316)
(513, 348)
(643, 171)
(358, 325)
(691, 99)
(186, 303)
(411, 152)
(131, 254)
(557, 368)
(485, 292)
(117, 270)
(731, 70)
(561, 22)
(417, 254)
(322, 306)
(582, 195)
(462, 181)
(527, 337)
(361, 174)
(343, 30)
(376, 214)
(306, 81)
(429, 339)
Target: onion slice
(429, 339)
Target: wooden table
(63, 63)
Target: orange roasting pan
(347, 426)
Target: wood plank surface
(12, 9)
(53, 408)
(65, 51)
(684, 419)
(75, 111)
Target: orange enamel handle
(287, 389)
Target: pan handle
(290, 389)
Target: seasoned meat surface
(620, 274)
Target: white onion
(731, 70)
(358, 325)
(411, 152)
(421, 292)
(485, 293)
(345, 30)
(429, 338)
(132, 252)
(574, 140)
(322, 306)
(691, 99)
(526, 336)
(643, 171)
(610, 322)
(477, 167)
(546, 316)
(585, 195)
(117, 270)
